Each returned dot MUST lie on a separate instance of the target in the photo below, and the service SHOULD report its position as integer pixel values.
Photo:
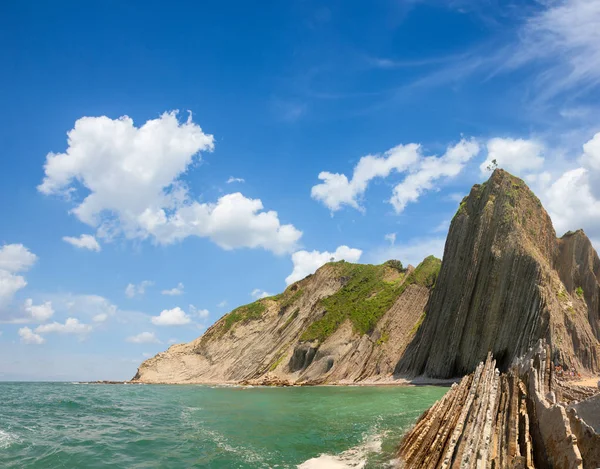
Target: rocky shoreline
(524, 418)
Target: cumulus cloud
(85, 241)
(38, 313)
(14, 259)
(337, 190)
(422, 172)
(306, 263)
(430, 169)
(133, 179)
(232, 180)
(171, 317)
(133, 290)
(391, 238)
(30, 337)
(573, 199)
(257, 293)
(410, 252)
(143, 338)
(71, 326)
(517, 156)
(175, 291)
(199, 313)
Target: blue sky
(306, 130)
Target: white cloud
(423, 171)
(9, 285)
(38, 313)
(85, 241)
(143, 338)
(30, 337)
(222, 304)
(336, 190)
(306, 262)
(565, 37)
(171, 317)
(88, 305)
(391, 237)
(411, 252)
(200, 313)
(71, 326)
(14, 259)
(517, 156)
(132, 290)
(232, 179)
(172, 341)
(102, 317)
(133, 176)
(258, 293)
(591, 153)
(175, 291)
(430, 169)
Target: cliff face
(346, 323)
(505, 282)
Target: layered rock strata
(346, 323)
(509, 420)
(505, 282)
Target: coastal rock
(346, 323)
(509, 420)
(505, 282)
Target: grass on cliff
(243, 314)
(366, 296)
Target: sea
(72, 425)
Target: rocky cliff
(345, 323)
(505, 282)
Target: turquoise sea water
(65, 425)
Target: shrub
(579, 292)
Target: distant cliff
(505, 282)
(343, 324)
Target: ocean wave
(353, 458)
(7, 439)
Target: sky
(162, 165)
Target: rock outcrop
(506, 281)
(346, 323)
(510, 420)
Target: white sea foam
(6, 439)
(353, 458)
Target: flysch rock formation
(518, 419)
(346, 323)
(506, 281)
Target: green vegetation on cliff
(244, 314)
(366, 296)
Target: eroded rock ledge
(518, 419)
